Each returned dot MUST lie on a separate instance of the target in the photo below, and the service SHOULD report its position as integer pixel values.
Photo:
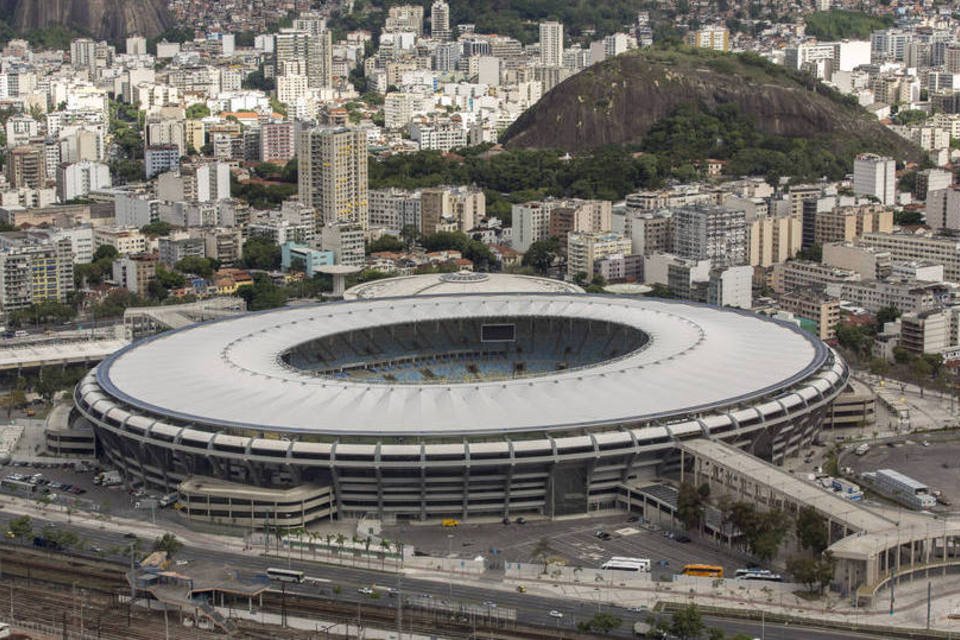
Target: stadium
(463, 405)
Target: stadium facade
(448, 406)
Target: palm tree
(366, 549)
(541, 551)
(384, 548)
(399, 548)
(341, 540)
(329, 543)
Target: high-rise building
(710, 37)
(159, 158)
(440, 20)
(277, 142)
(80, 178)
(300, 53)
(943, 209)
(712, 233)
(32, 271)
(405, 17)
(551, 44)
(345, 240)
(332, 179)
(136, 46)
(26, 167)
(584, 249)
(875, 176)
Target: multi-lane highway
(342, 584)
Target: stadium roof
(453, 283)
(228, 373)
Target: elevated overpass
(871, 548)
(33, 355)
(142, 321)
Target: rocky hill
(619, 100)
(111, 20)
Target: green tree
(839, 25)
(885, 315)
(21, 528)
(261, 253)
(13, 399)
(763, 532)
(169, 543)
(203, 267)
(690, 504)
(541, 255)
(197, 111)
(386, 243)
(601, 622)
(687, 623)
(106, 252)
(816, 574)
(812, 530)
(157, 229)
(263, 294)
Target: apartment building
(277, 142)
(774, 239)
(345, 241)
(584, 249)
(33, 271)
(904, 247)
(927, 331)
(906, 296)
(845, 224)
(135, 272)
(870, 263)
(709, 37)
(126, 240)
(710, 232)
(875, 176)
(822, 310)
(797, 274)
(333, 174)
(26, 166)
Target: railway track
(57, 590)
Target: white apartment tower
(551, 44)
(440, 20)
(301, 53)
(875, 176)
(333, 174)
(710, 233)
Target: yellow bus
(703, 570)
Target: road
(531, 609)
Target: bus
(18, 485)
(758, 574)
(618, 563)
(285, 575)
(703, 570)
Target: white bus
(285, 575)
(619, 563)
(758, 574)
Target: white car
(367, 591)
(556, 614)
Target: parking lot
(574, 542)
(935, 465)
(114, 500)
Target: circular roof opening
(460, 350)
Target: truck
(108, 479)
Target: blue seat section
(452, 351)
